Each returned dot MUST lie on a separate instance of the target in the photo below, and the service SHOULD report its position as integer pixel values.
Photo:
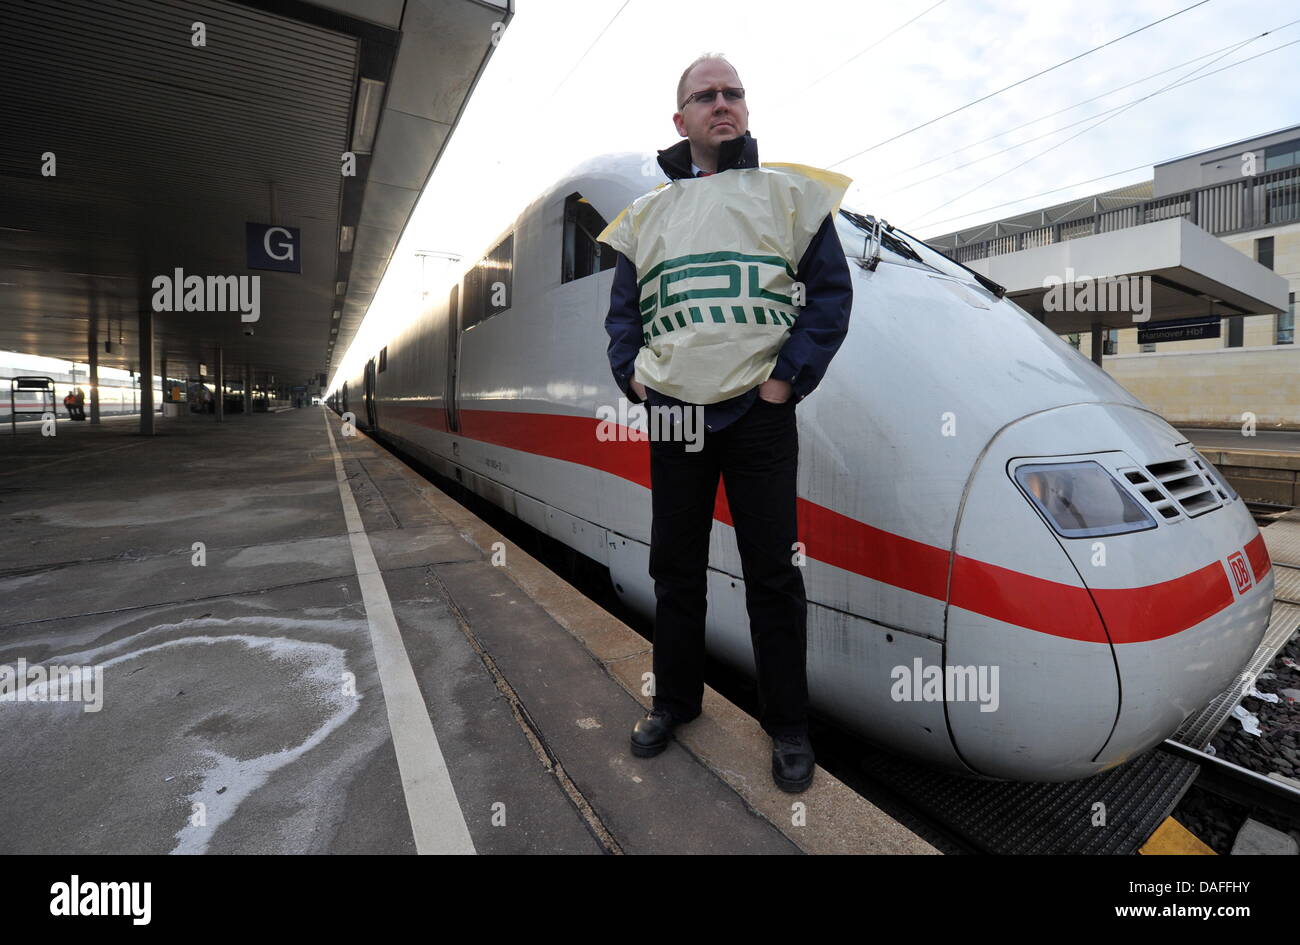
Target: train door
(371, 418)
(453, 359)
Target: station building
(1218, 344)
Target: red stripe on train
(1132, 615)
(1257, 552)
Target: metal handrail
(1263, 200)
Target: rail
(1270, 199)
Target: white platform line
(436, 818)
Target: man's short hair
(681, 83)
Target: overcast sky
(550, 99)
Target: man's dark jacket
(822, 323)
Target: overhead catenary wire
(1230, 47)
(1078, 183)
(588, 49)
(1029, 78)
(868, 49)
(1056, 131)
(1045, 193)
(1072, 137)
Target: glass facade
(1281, 156)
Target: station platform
(290, 642)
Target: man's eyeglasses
(707, 97)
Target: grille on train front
(1177, 487)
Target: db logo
(1240, 571)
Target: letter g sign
(284, 248)
(274, 247)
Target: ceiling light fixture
(370, 94)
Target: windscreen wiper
(999, 290)
(882, 233)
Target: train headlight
(1082, 499)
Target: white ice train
(978, 501)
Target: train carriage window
(489, 285)
(583, 254)
(472, 308)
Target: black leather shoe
(650, 735)
(792, 762)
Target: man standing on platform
(731, 295)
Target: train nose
(1019, 610)
(1185, 603)
(1115, 579)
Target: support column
(93, 360)
(1236, 330)
(220, 384)
(1097, 338)
(162, 377)
(146, 371)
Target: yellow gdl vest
(716, 260)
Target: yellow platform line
(1173, 839)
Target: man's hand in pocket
(774, 391)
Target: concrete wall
(1216, 386)
(1214, 167)
(1259, 476)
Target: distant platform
(1263, 468)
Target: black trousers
(757, 456)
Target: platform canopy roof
(1192, 273)
(144, 136)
